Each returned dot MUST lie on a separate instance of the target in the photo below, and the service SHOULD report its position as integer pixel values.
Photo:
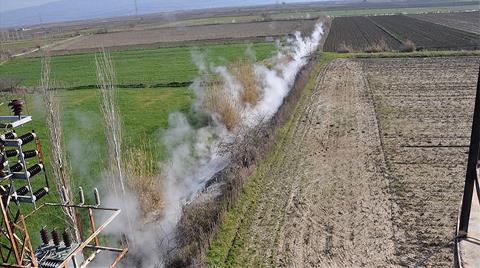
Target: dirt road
(371, 175)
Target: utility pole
(471, 176)
(136, 8)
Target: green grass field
(149, 66)
(144, 111)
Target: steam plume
(194, 152)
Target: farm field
(347, 12)
(361, 166)
(144, 110)
(394, 204)
(466, 21)
(358, 34)
(427, 35)
(21, 46)
(151, 23)
(147, 67)
(232, 31)
(425, 123)
(148, 106)
(361, 33)
(83, 128)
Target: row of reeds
(220, 101)
(380, 46)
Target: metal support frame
(471, 180)
(13, 121)
(19, 239)
(86, 243)
(15, 246)
(22, 176)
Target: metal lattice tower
(21, 162)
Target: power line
(136, 8)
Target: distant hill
(68, 10)
(71, 10)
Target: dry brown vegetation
(54, 128)
(113, 131)
(380, 46)
(344, 48)
(200, 219)
(10, 83)
(412, 160)
(244, 72)
(140, 166)
(408, 46)
(220, 102)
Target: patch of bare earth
(372, 173)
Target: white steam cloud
(194, 153)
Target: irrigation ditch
(201, 218)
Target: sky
(6, 5)
(15, 13)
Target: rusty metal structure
(22, 170)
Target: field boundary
(386, 31)
(417, 54)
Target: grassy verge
(223, 249)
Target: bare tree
(106, 81)
(10, 82)
(113, 130)
(54, 128)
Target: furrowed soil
(362, 33)
(358, 34)
(233, 31)
(466, 21)
(370, 174)
(425, 110)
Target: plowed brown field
(466, 21)
(371, 175)
(232, 31)
(363, 33)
